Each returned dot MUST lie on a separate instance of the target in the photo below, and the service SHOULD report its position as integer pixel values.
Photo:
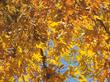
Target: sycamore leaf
(26, 77)
(52, 61)
(40, 45)
(37, 57)
(52, 25)
(20, 49)
(58, 5)
(90, 53)
(82, 79)
(98, 17)
(83, 52)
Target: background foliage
(38, 36)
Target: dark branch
(43, 58)
(105, 28)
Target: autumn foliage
(37, 36)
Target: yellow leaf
(78, 57)
(7, 36)
(37, 57)
(1, 39)
(97, 17)
(40, 45)
(20, 79)
(1, 68)
(90, 53)
(19, 49)
(19, 63)
(52, 25)
(52, 61)
(58, 5)
(76, 72)
(82, 78)
(26, 77)
(83, 52)
(4, 45)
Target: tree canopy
(38, 36)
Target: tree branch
(105, 28)
(43, 58)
